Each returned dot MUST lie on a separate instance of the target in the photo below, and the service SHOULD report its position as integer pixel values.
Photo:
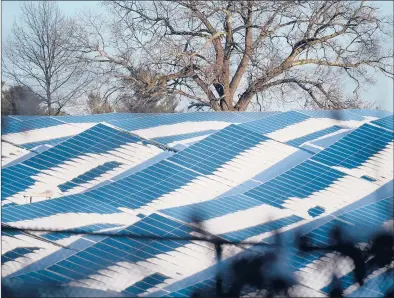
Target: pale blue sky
(381, 93)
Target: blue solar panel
(51, 142)
(299, 141)
(15, 179)
(28, 117)
(300, 181)
(348, 280)
(344, 115)
(355, 148)
(18, 252)
(35, 123)
(95, 118)
(370, 216)
(374, 215)
(112, 251)
(7, 120)
(11, 233)
(251, 116)
(132, 192)
(144, 186)
(275, 122)
(345, 281)
(98, 139)
(209, 154)
(316, 211)
(243, 234)
(208, 284)
(89, 175)
(387, 122)
(148, 282)
(78, 203)
(180, 137)
(376, 287)
(54, 236)
(328, 141)
(213, 208)
(371, 113)
(357, 228)
(169, 119)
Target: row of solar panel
(373, 216)
(140, 121)
(101, 139)
(165, 176)
(126, 121)
(111, 251)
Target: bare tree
(222, 54)
(97, 105)
(41, 56)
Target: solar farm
(245, 175)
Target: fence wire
(347, 269)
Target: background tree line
(159, 56)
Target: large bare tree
(226, 55)
(41, 55)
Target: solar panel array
(244, 175)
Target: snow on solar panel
(312, 268)
(50, 244)
(185, 179)
(314, 135)
(43, 173)
(178, 124)
(357, 222)
(10, 153)
(46, 133)
(367, 151)
(299, 129)
(242, 181)
(134, 261)
(170, 125)
(50, 142)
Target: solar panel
(74, 157)
(240, 180)
(313, 136)
(371, 113)
(387, 122)
(360, 223)
(212, 209)
(51, 142)
(301, 181)
(172, 140)
(365, 151)
(18, 252)
(35, 123)
(345, 115)
(270, 226)
(100, 264)
(275, 122)
(88, 176)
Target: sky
(381, 93)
